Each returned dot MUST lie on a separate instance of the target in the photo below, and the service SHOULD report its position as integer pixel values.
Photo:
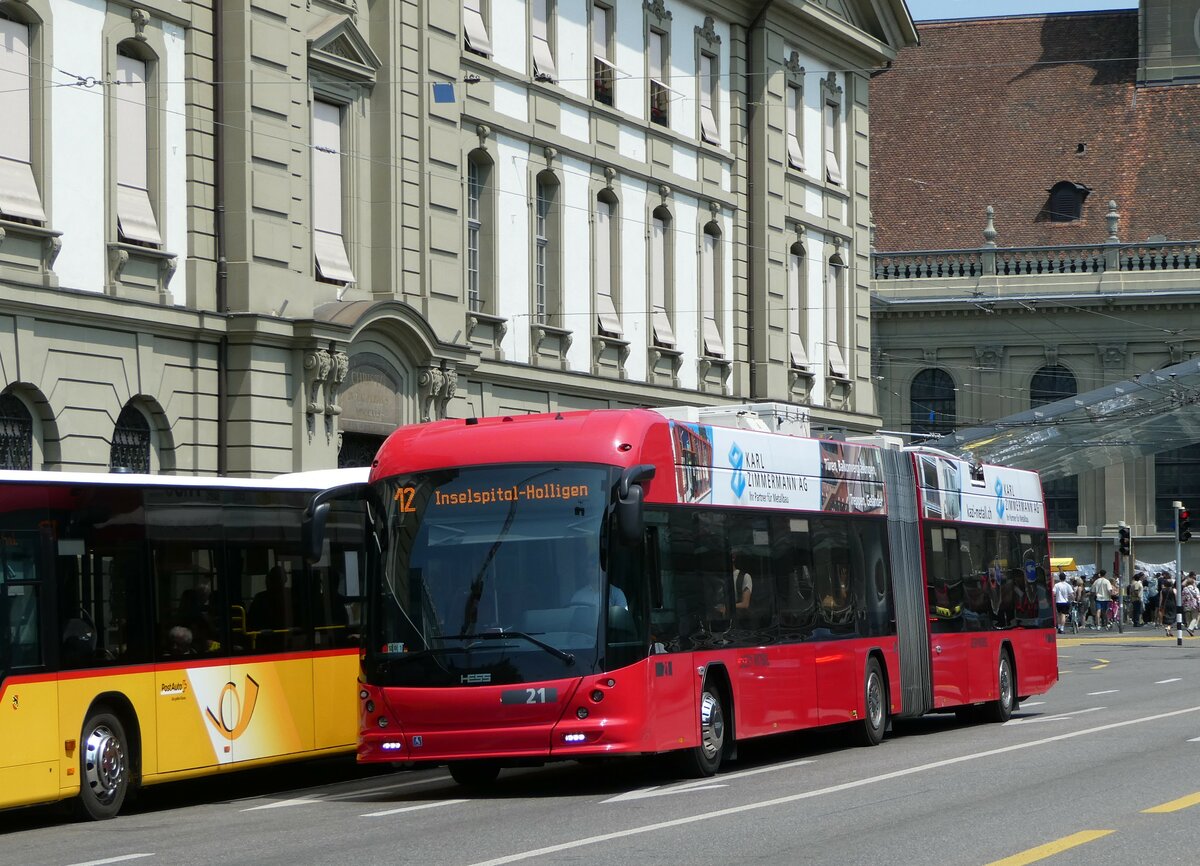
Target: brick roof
(992, 111)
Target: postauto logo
(738, 481)
(234, 711)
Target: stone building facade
(308, 224)
(1045, 246)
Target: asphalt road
(1105, 769)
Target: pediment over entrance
(338, 46)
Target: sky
(924, 10)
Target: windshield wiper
(567, 657)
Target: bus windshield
(491, 575)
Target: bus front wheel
(104, 766)
(705, 759)
(474, 774)
(869, 732)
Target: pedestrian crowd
(1145, 601)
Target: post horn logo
(233, 713)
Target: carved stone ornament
(117, 260)
(709, 31)
(317, 365)
(140, 18)
(1176, 352)
(436, 387)
(483, 131)
(830, 89)
(338, 370)
(1112, 355)
(988, 357)
(1051, 356)
(166, 270)
(658, 9)
(53, 246)
(792, 65)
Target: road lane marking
(1174, 805)
(350, 795)
(1171, 680)
(702, 784)
(1026, 704)
(833, 789)
(1041, 852)
(1105, 692)
(413, 808)
(1055, 718)
(279, 804)
(1103, 664)
(120, 859)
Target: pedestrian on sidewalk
(1062, 600)
(1191, 604)
(1102, 590)
(1135, 599)
(1166, 602)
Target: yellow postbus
(159, 627)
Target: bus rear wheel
(474, 774)
(870, 731)
(104, 766)
(705, 759)
(1001, 709)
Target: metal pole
(1178, 506)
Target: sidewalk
(1142, 634)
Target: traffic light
(1123, 540)
(1182, 530)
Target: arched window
(661, 288)
(1176, 477)
(797, 300)
(547, 252)
(16, 433)
(1066, 202)
(606, 271)
(932, 402)
(1049, 385)
(131, 442)
(836, 300)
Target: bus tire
(474, 774)
(706, 758)
(1001, 709)
(104, 766)
(870, 731)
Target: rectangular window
(797, 318)
(707, 86)
(795, 135)
(542, 239)
(329, 245)
(708, 297)
(833, 167)
(135, 215)
(474, 230)
(603, 71)
(663, 334)
(834, 300)
(19, 197)
(660, 96)
(543, 56)
(608, 322)
(475, 31)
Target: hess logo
(234, 710)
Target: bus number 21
(404, 496)
(535, 696)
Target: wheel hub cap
(104, 763)
(712, 725)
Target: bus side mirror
(312, 529)
(316, 515)
(629, 501)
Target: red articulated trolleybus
(631, 582)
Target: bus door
(191, 630)
(269, 699)
(104, 644)
(337, 603)
(948, 640)
(28, 696)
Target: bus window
(20, 644)
(792, 565)
(184, 531)
(100, 571)
(750, 576)
(831, 563)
